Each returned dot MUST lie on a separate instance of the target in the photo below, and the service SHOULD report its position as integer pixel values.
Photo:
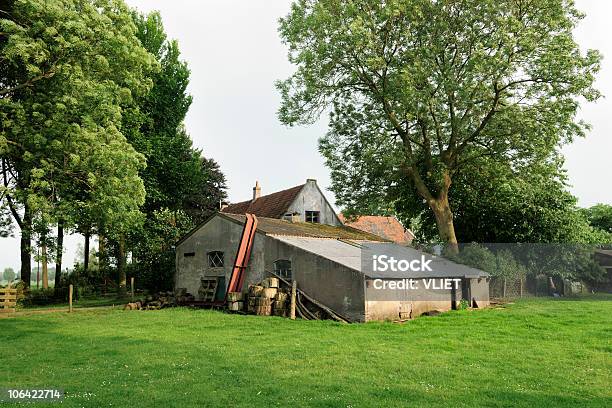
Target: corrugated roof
(338, 251)
(440, 267)
(273, 205)
(306, 229)
(387, 227)
(350, 253)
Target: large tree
(429, 87)
(182, 186)
(70, 69)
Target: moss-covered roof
(275, 226)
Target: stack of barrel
(266, 299)
(234, 301)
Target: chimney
(256, 191)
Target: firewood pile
(263, 299)
(161, 300)
(182, 296)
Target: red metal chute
(243, 255)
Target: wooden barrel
(270, 283)
(280, 312)
(269, 293)
(260, 301)
(279, 305)
(251, 305)
(235, 306)
(255, 290)
(281, 297)
(234, 296)
(263, 310)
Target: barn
(296, 235)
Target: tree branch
(28, 83)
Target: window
(188, 254)
(215, 259)
(312, 216)
(282, 268)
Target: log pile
(182, 296)
(161, 300)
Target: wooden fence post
(70, 299)
(504, 289)
(293, 296)
(132, 287)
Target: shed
(328, 262)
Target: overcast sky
(235, 55)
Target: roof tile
(273, 205)
(386, 227)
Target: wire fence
(517, 287)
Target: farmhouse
(296, 235)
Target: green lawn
(539, 352)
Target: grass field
(533, 353)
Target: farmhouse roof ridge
(272, 205)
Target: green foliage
(154, 256)
(40, 297)
(71, 69)
(498, 262)
(183, 188)
(495, 202)
(6, 223)
(421, 92)
(92, 101)
(9, 274)
(564, 261)
(600, 217)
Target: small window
(215, 259)
(312, 216)
(189, 254)
(282, 268)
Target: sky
(235, 55)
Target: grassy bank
(539, 352)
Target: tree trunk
(45, 264)
(25, 246)
(444, 222)
(86, 253)
(440, 206)
(102, 252)
(60, 252)
(551, 286)
(121, 265)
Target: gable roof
(386, 227)
(273, 205)
(274, 226)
